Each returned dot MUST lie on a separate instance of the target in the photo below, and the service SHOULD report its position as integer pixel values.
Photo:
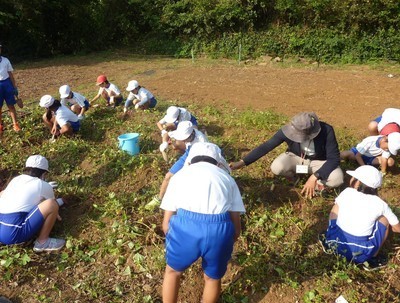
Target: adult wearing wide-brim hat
(312, 150)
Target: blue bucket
(129, 143)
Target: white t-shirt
(358, 212)
(184, 115)
(76, 99)
(24, 193)
(199, 137)
(203, 188)
(5, 67)
(389, 115)
(143, 96)
(64, 114)
(109, 89)
(368, 147)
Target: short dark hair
(367, 190)
(34, 171)
(204, 159)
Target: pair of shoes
(375, 263)
(324, 245)
(155, 202)
(16, 127)
(51, 244)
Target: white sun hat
(64, 90)
(172, 114)
(394, 143)
(183, 131)
(37, 161)
(210, 150)
(46, 101)
(132, 85)
(368, 175)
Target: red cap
(390, 128)
(101, 79)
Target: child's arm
(167, 216)
(95, 98)
(359, 159)
(235, 217)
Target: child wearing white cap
(79, 104)
(108, 91)
(202, 208)
(28, 207)
(185, 136)
(170, 122)
(139, 96)
(59, 118)
(359, 221)
(386, 123)
(375, 150)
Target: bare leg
(13, 113)
(49, 209)
(373, 128)
(76, 109)
(212, 290)
(164, 185)
(48, 123)
(347, 155)
(171, 282)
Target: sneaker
(51, 244)
(153, 203)
(375, 263)
(324, 245)
(16, 127)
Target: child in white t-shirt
(139, 96)
(375, 150)
(109, 91)
(202, 219)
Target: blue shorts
(367, 160)
(7, 92)
(356, 249)
(378, 119)
(87, 104)
(193, 119)
(20, 227)
(193, 235)
(152, 102)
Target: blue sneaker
(51, 244)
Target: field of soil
(346, 97)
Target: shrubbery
(329, 31)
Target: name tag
(301, 169)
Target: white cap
(210, 150)
(64, 90)
(46, 101)
(394, 143)
(172, 114)
(37, 161)
(368, 175)
(183, 131)
(132, 85)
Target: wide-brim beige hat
(303, 127)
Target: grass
(115, 251)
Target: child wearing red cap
(109, 91)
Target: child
(359, 221)
(8, 92)
(202, 219)
(59, 118)
(139, 96)
(28, 207)
(375, 150)
(79, 104)
(386, 123)
(110, 92)
(170, 122)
